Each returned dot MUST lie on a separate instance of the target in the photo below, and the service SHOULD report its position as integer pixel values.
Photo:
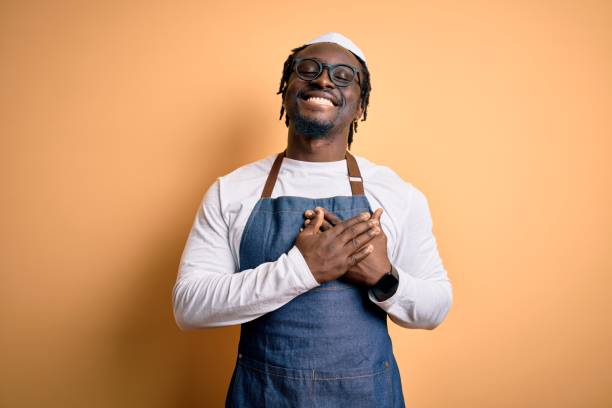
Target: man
(290, 248)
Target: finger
(357, 241)
(332, 218)
(315, 224)
(326, 225)
(313, 213)
(309, 213)
(360, 255)
(377, 214)
(354, 230)
(350, 223)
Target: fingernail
(308, 213)
(365, 215)
(301, 229)
(307, 222)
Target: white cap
(341, 40)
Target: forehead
(330, 53)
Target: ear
(359, 111)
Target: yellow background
(116, 116)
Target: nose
(324, 80)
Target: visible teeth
(321, 101)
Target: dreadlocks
(364, 96)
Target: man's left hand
(368, 271)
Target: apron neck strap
(353, 172)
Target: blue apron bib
(328, 347)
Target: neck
(316, 150)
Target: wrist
(386, 285)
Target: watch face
(386, 282)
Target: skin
(331, 253)
(332, 147)
(355, 249)
(371, 268)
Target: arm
(208, 292)
(424, 294)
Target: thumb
(315, 224)
(377, 214)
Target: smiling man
(290, 248)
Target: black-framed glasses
(309, 69)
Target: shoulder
(250, 171)
(243, 183)
(378, 177)
(397, 195)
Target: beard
(311, 129)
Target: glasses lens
(343, 75)
(308, 69)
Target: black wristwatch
(386, 286)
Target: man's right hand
(329, 254)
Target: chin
(312, 128)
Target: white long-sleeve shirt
(209, 293)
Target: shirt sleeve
(210, 293)
(424, 294)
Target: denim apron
(328, 347)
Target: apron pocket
(372, 388)
(257, 384)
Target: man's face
(314, 118)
